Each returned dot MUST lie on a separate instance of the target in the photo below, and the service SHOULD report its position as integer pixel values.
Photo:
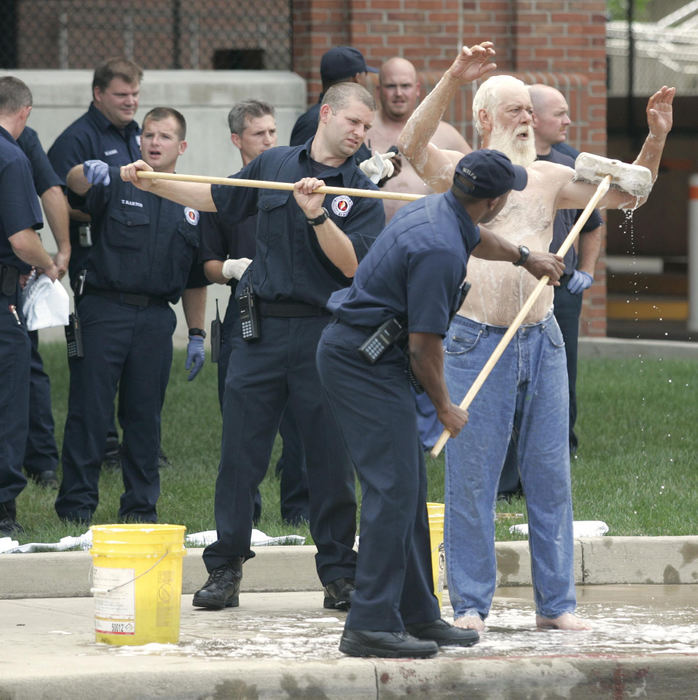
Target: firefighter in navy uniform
(20, 250)
(144, 257)
(41, 456)
(412, 276)
(106, 132)
(308, 246)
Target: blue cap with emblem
(487, 173)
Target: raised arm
(659, 120)
(434, 165)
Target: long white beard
(519, 152)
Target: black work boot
(47, 479)
(222, 588)
(338, 594)
(8, 520)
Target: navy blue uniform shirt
(143, 244)
(414, 270)
(289, 263)
(91, 137)
(566, 218)
(19, 205)
(225, 240)
(42, 170)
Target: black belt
(289, 309)
(141, 300)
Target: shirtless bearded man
(527, 390)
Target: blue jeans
(526, 393)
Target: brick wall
(557, 42)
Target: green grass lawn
(636, 468)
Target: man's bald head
(550, 116)
(398, 89)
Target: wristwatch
(319, 219)
(524, 252)
(197, 331)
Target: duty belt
(9, 277)
(141, 300)
(289, 309)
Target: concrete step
(598, 560)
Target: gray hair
(247, 109)
(487, 95)
(14, 94)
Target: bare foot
(470, 622)
(566, 621)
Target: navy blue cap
(343, 62)
(487, 173)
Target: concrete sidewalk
(281, 643)
(284, 645)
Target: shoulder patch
(191, 215)
(342, 205)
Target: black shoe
(444, 634)
(338, 594)
(112, 459)
(9, 527)
(389, 645)
(222, 588)
(47, 479)
(163, 462)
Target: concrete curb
(624, 347)
(578, 677)
(598, 560)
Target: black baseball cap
(343, 62)
(488, 173)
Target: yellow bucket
(137, 582)
(435, 511)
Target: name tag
(113, 152)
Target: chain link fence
(157, 34)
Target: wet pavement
(644, 643)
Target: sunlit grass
(636, 467)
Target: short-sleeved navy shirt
(42, 170)
(143, 244)
(19, 205)
(91, 137)
(289, 263)
(225, 240)
(566, 218)
(414, 270)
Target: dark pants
(291, 464)
(15, 349)
(42, 453)
(376, 411)
(128, 347)
(263, 377)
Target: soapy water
(659, 620)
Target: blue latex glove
(195, 355)
(96, 172)
(579, 282)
